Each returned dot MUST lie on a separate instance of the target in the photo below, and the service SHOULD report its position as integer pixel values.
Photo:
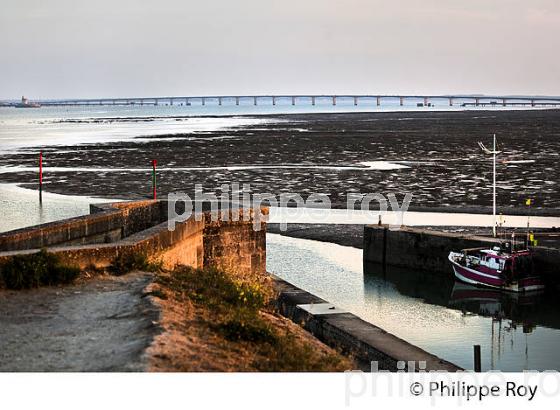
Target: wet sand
(444, 166)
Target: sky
(128, 48)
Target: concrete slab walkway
(104, 324)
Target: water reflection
(513, 318)
(20, 207)
(516, 332)
(523, 309)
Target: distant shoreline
(280, 113)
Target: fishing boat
(498, 268)
(501, 267)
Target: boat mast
(494, 153)
(494, 190)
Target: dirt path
(101, 325)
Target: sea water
(432, 311)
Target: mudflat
(440, 161)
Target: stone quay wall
(111, 230)
(427, 250)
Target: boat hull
(474, 277)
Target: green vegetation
(290, 355)
(239, 312)
(45, 269)
(37, 269)
(129, 261)
(246, 325)
(215, 288)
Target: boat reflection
(528, 310)
(496, 304)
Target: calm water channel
(433, 312)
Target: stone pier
(142, 227)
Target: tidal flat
(435, 154)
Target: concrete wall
(107, 223)
(428, 250)
(415, 248)
(547, 261)
(197, 243)
(352, 335)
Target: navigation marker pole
(528, 202)
(40, 177)
(477, 361)
(154, 163)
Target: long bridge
(376, 100)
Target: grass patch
(129, 261)
(244, 325)
(38, 269)
(237, 312)
(291, 355)
(216, 289)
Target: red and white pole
(40, 177)
(154, 185)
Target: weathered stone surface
(112, 229)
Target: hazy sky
(75, 48)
